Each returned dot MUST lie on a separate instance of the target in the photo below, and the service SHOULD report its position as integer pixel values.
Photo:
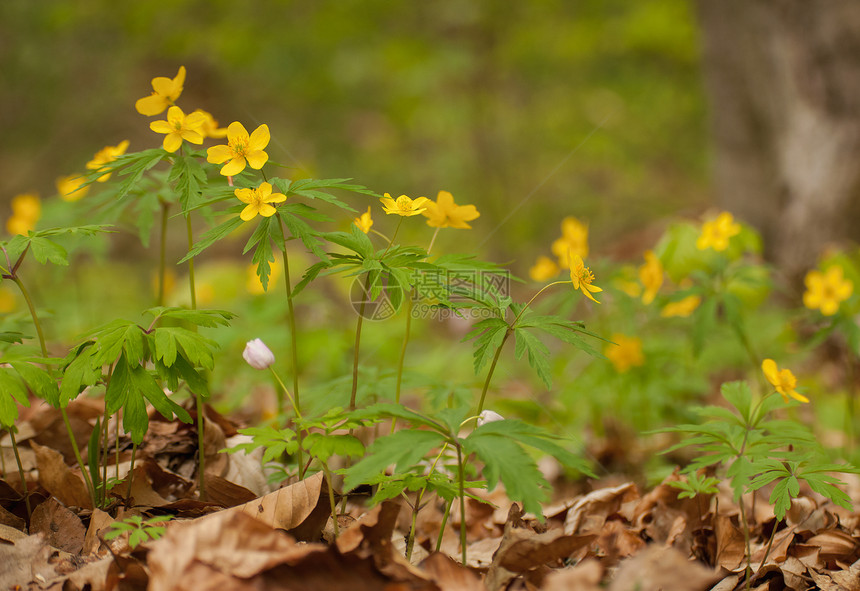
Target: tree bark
(783, 77)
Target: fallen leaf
(730, 544)
(658, 568)
(585, 576)
(100, 523)
(24, 561)
(591, 511)
(60, 480)
(62, 528)
(834, 544)
(226, 493)
(449, 575)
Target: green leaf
(403, 448)
(187, 175)
(354, 240)
(39, 380)
(79, 373)
(45, 250)
(323, 447)
(133, 166)
(538, 354)
(12, 390)
(212, 236)
(301, 230)
(491, 333)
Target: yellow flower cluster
(717, 232)
(782, 380)
(72, 187)
(826, 291)
(26, 211)
(625, 353)
(574, 239)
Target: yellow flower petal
(259, 138)
(218, 154)
(234, 167)
(257, 159)
(172, 141)
(249, 213)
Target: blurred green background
(532, 110)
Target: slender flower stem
(402, 355)
(77, 453)
(162, 255)
(36, 324)
(355, 357)
(131, 470)
(461, 479)
(104, 450)
(410, 540)
(299, 460)
(292, 319)
(433, 240)
(191, 263)
(331, 502)
(201, 411)
(444, 523)
(20, 471)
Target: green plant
(139, 530)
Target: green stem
(299, 459)
(162, 256)
(461, 479)
(769, 544)
(104, 453)
(36, 324)
(131, 469)
(491, 370)
(444, 523)
(358, 344)
(201, 451)
(402, 355)
(191, 263)
(77, 453)
(21, 472)
(410, 541)
(292, 320)
(850, 404)
(433, 240)
(747, 550)
(331, 502)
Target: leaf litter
(243, 536)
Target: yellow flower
(241, 149)
(403, 205)
(7, 300)
(26, 211)
(178, 127)
(625, 353)
(825, 291)
(716, 233)
(252, 282)
(209, 126)
(259, 201)
(574, 238)
(651, 276)
(364, 221)
(165, 91)
(631, 288)
(444, 213)
(544, 269)
(782, 380)
(682, 308)
(105, 156)
(72, 187)
(581, 276)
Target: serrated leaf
(403, 448)
(212, 236)
(45, 250)
(323, 447)
(538, 354)
(12, 390)
(40, 381)
(187, 175)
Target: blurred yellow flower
(651, 276)
(165, 91)
(178, 127)
(26, 211)
(582, 277)
(716, 233)
(825, 291)
(403, 205)
(7, 300)
(241, 149)
(209, 126)
(444, 213)
(682, 308)
(259, 201)
(782, 380)
(625, 353)
(169, 282)
(72, 187)
(105, 156)
(364, 221)
(205, 293)
(574, 238)
(631, 288)
(544, 269)
(252, 282)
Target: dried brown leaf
(450, 575)
(834, 544)
(657, 569)
(100, 523)
(62, 528)
(60, 480)
(730, 544)
(585, 576)
(591, 511)
(24, 561)
(225, 493)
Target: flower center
(239, 147)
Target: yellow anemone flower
(574, 238)
(26, 211)
(72, 187)
(682, 308)
(544, 269)
(782, 380)
(403, 205)
(178, 127)
(364, 221)
(259, 201)
(241, 149)
(105, 156)
(209, 126)
(651, 276)
(165, 91)
(716, 233)
(582, 277)
(825, 291)
(625, 353)
(7, 301)
(444, 213)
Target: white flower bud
(258, 355)
(488, 416)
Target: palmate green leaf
(538, 354)
(389, 410)
(300, 228)
(80, 372)
(12, 337)
(781, 495)
(132, 166)
(188, 177)
(276, 442)
(323, 447)
(45, 250)
(565, 330)
(263, 255)
(213, 235)
(403, 448)
(505, 459)
(205, 318)
(313, 189)
(828, 486)
(109, 340)
(490, 333)
(39, 380)
(12, 390)
(354, 240)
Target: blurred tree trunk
(783, 78)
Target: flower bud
(489, 416)
(258, 355)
